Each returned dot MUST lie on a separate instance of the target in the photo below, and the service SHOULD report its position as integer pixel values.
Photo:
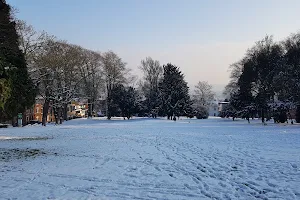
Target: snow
(152, 159)
(8, 138)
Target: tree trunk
(108, 105)
(13, 122)
(298, 114)
(174, 117)
(90, 109)
(55, 110)
(65, 112)
(24, 118)
(60, 115)
(1, 116)
(45, 111)
(262, 116)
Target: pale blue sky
(201, 36)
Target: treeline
(266, 81)
(161, 92)
(34, 63)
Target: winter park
(207, 116)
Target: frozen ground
(151, 159)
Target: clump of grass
(11, 154)
(32, 138)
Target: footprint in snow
(222, 184)
(206, 186)
(294, 166)
(187, 186)
(196, 180)
(271, 184)
(157, 168)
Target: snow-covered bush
(202, 112)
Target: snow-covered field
(151, 159)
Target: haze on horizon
(201, 37)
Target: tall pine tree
(15, 81)
(174, 92)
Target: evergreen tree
(13, 68)
(4, 87)
(298, 114)
(288, 77)
(261, 66)
(125, 100)
(174, 92)
(131, 102)
(255, 82)
(243, 100)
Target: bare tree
(53, 67)
(114, 73)
(150, 83)
(236, 70)
(47, 69)
(36, 47)
(203, 94)
(63, 71)
(90, 72)
(30, 40)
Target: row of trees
(35, 63)
(166, 92)
(63, 71)
(266, 81)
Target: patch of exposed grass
(33, 138)
(12, 154)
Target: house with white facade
(213, 109)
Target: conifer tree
(174, 92)
(125, 99)
(13, 69)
